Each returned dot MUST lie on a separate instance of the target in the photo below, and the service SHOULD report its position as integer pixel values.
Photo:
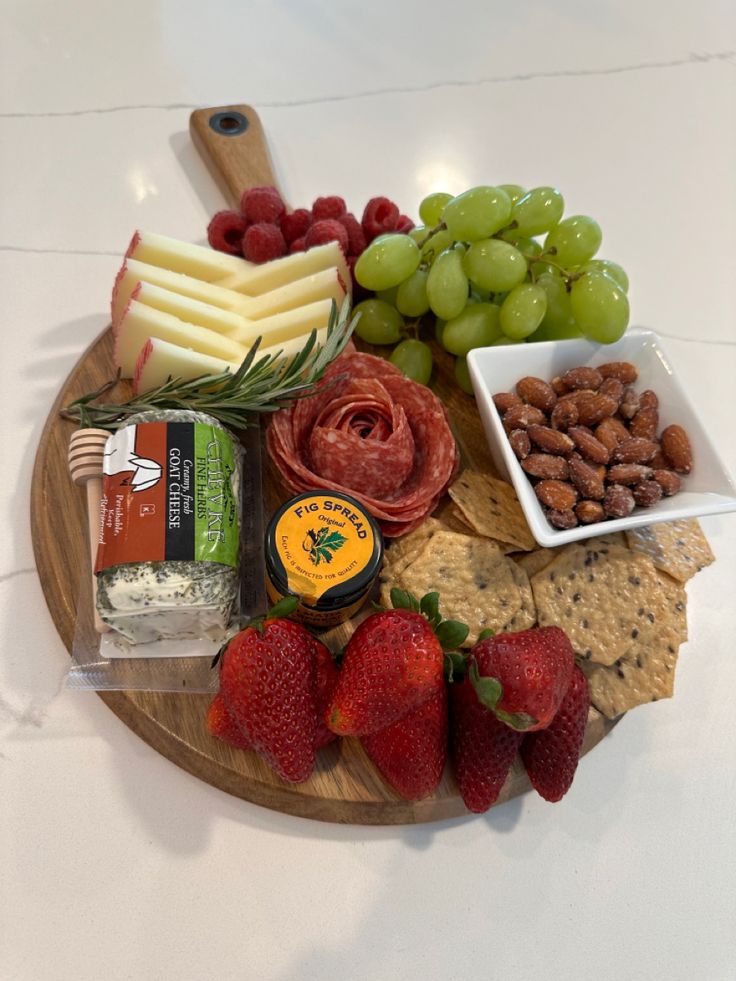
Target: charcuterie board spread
(423, 657)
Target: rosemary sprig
(263, 385)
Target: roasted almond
(556, 494)
(588, 446)
(504, 400)
(629, 404)
(558, 386)
(634, 450)
(546, 466)
(520, 416)
(668, 481)
(550, 440)
(588, 512)
(647, 493)
(649, 399)
(618, 502)
(585, 480)
(623, 370)
(564, 415)
(611, 432)
(562, 519)
(582, 377)
(536, 392)
(595, 408)
(520, 443)
(612, 387)
(646, 422)
(629, 473)
(659, 460)
(677, 449)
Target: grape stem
(437, 228)
(569, 277)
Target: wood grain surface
(346, 787)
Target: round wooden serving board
(346, 787)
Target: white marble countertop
(115, 863)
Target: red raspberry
(298, 245)
(262, 204)
(225, 232)
(356, 235)
(405, 224)
(332, 207)
(327, 230)
(263, 242)
(295, 225)
(380, 216)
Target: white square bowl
(709, 489)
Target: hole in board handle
(229, 123)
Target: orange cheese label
(322, 542)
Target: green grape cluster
(493, 265)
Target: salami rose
(372, 433)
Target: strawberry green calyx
(279, 611)
(490, 693)
(450, 633)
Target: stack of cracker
(620, 598)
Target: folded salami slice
(372, 433)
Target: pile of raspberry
(263, 230)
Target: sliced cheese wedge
(184, 257)
(325, 284)
(160, 360)
(255, 279)
(141, 323)
(283, 326)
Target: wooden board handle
(233, 145)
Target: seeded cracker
(644, 674)
(404, 550)
(677, 547)
(604, 597)
(492, 508)
(526, 617)
(534, 562)
(475, 581)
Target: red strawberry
(221, 725)
(326, 680)
(411, 752)
(482, 748)
(551, 756)
(393, 663)
(523, 677)
(267, 681)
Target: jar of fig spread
(326, 549)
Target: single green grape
(431, 208)
(388, 296)
(419, 232)
(600, 307)
(514, 191)
(537, 211)
(436, 245)
(575, 240)
(477, 213)
(558, 319)
(503, 341)
(447, 285)
(476, 326)
(611, 269)
(388, 261)
(411, 298)
(462, 375)
(494, 265)
(414, 358)
(478, 295)
(522, 311)
(380, 323)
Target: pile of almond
(589, 443)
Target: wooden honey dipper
(86, 449)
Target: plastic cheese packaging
(168, 552)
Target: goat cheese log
(372, 433)
(168, 555)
